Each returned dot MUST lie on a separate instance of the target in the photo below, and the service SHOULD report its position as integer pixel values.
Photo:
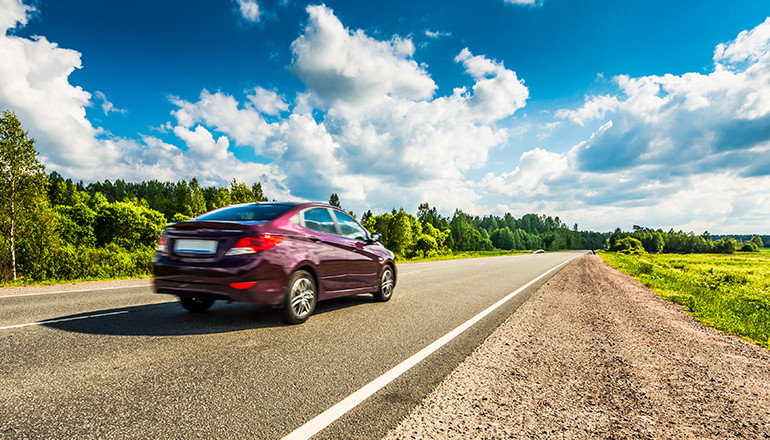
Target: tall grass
(728, 292)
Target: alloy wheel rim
(387, 283)
(302, 297)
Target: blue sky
(604, 113)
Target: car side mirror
(374, 237)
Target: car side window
(349, 228)
(319, 220)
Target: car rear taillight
(162, 246)
(252, 245)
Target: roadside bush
(749, 247)
(127, 225)
(629, 245)
(179, 218)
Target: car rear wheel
(300, 299)
(387, 282)
(195, 304)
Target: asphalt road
(128, 363)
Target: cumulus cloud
(350, 69)
(13, 12)
(268, 101)
(667, 144)
(498, 92)
(35, 86)
(595, 108)
(381, 134)
(249, 10)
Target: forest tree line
(56, 229)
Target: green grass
(728, 292)
(461, 255)
(51, 282)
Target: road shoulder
(594, 354)
(73, 287)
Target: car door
(364, 265)
(328, 250)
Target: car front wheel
(300, 299)
(196, 304)
(385, 288)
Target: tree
(334, 200)
(757, 241)
(22, 177)
(240, 193)
(256, 189)
(219, 198)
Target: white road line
(326, 418)
(51, 321)
(72, 291)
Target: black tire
(386, 285)
(300, 298)
(194, 304)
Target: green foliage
(657, 241)
(70, 230)
(334, 200)
(240, 193)
(749, 247)
(179, 218)
(729, 292)
(76, 224)
(22, 183)
(127, 225)
(628, 245)
(220, 197)
(256, 190)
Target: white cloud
(268, 101)
(437, 34)
(675, 150)
(249, 10)
(750, 46)
(498, 93)
(34, 84)
(595, 108)
(524, 2)
(344, 68)
(380, 134)
(245, 125)
(13, 12)
(107, 106)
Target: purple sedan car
(289, 255)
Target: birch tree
(22, 178)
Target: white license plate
(195, 246)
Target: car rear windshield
(246, 213)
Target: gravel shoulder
(595, 354)
(73, 287)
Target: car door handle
(315, 239)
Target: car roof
(295, 204)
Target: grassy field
(728, 292)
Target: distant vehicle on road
(289, 255)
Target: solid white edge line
(72, 291)
(321, 421)
(51, 321)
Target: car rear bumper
(233, 283)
